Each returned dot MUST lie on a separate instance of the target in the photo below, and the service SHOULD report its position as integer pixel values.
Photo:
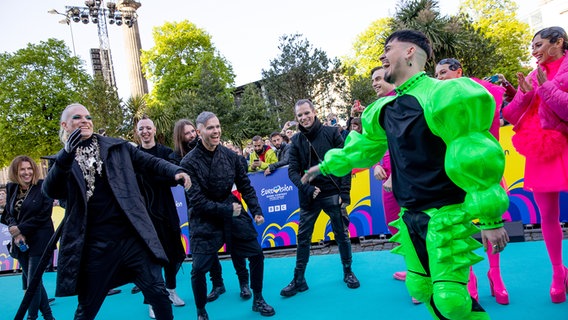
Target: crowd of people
(432, 140)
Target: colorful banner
(278, 197)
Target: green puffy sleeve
(474, 159)
(360, 150)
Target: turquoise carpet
(525, 267)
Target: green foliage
(485, 36)
(254, 116)
(36, 83)
(448, 35)
(175, 63)
(106, 108)
(361, 89)
(368, 47)
(301, 72)
(189, 77)
(135, 108)
(164, 123)
(497, 20)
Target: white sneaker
(175, 299)
(151, 312)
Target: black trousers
(240, 249)
(339, 220)
(170, 274)
(216, 272)
(129, 260)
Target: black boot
(259, 305)
(298, 284)
(350, 278)
(245, 291)
(215, 293)
(202, 314)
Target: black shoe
(215, 293)
(202, 314)
(245, 291)
(113, 292)
(351, 280)
(50, 300)
(135, 290)
(294, 287)
(259, 305)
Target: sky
(245, 32)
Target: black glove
(73, 141)
(65, 156)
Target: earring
(409, 63)
(548, 52)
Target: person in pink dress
(451, 68)
(539, 114)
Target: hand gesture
(73, 141)
(237, 209)
(357, 108)
(498, 238)
(379, 172)
(258, 219)
(310, 174)
(540, 76)
(316, 192)
(387, 185)
(267, 171)
(183, 179)
(524, 83)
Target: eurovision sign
(278, 197)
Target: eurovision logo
(276, 190)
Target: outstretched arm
(360, 150)
(474, 159)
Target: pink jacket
(497, 93)
(553, 106)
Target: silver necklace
(89, 160)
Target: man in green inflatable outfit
(446, 169)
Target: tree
(189, 77)
(135, 108)
(302, 72)
(497, 20)
(209, 94)
(360, 89)
(106, 108)
(36, 83)
(368, 47)
(174, 64)
(255, 116)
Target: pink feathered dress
(546, 151)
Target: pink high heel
(559, 285)
(497, 286)
(472, 285)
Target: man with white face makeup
(108, 238)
